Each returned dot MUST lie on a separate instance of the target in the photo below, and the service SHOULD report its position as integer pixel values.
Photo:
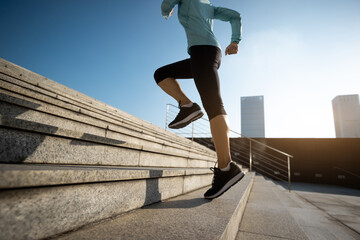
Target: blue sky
(298, 54)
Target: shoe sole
(189, 119)
(227, 186)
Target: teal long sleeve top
(197, 18)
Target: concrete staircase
(188, 216)
(68, 160)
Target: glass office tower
(252, 117)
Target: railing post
(167, 113)
(289, 174)
(192, 132)
(250, 156)
(269, 157)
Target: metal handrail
(263, 144)
(348, 172)
(251, 146)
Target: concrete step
(25, 108)
(28, 104)
(53, 88)
(265, 217)
(33, 105)
(57, 89)
(38, 175)
(17, 77)
(38, 201)
(189, 216)
(68, 160)
(29, 142)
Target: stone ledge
(14, 71)
(189, 216)
(39, 84)
(68, 116)
(37, 213)
(19, 124)
(35, 175)
(19, 146)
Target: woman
(196, 16)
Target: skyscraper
(346, 109)
(252, 116)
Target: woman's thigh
(205, 62)
(177, 70)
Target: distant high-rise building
(346, 109)
(252, 116)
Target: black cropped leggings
(202, 66)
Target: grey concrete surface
(17, 146)
(34, 79)
(45, 122)
(309, 211)
(256, 236)
(188, 216)
(49, 113)
(322, 211)
(35, 175)
(78, 110)
(265, 217)
(35, 213)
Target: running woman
(197, 17)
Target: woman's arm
(233, 17)
(167, 7)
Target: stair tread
(188, 216)
(47, 117)
(20, 124)
(115, 116)
(31, 175)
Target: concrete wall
(328, 161)
(316, 160)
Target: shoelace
(216, 173)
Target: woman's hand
(232, 49)
(171, 13)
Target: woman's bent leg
(220, 135)
(172, 88)
(166, 77)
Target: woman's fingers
(231, 49)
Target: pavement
(309, 211)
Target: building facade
(253, 117)
(346, 110)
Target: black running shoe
(222, 180)
(186, 116)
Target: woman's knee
(159, 75)
(213, 107)
(215, 112)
